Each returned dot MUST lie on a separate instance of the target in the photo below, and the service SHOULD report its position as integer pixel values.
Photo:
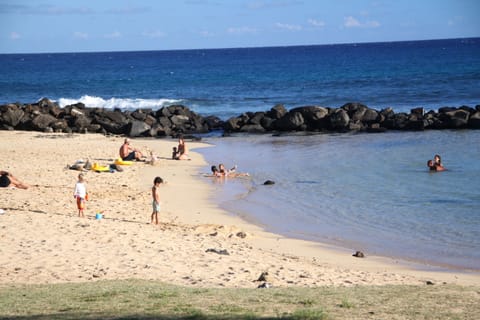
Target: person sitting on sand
(8, 180)
(182, 150)
(128, 153)
(174, 153)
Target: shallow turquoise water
(369, 192)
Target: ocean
(369, 192)
(227, 82)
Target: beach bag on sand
(88, 165)
(78, 167)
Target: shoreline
(45, 242)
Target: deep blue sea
(227, 82)
(368, 192)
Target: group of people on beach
(129, 153)
(435, 164)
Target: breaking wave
(121, 103)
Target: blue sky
(116, 25)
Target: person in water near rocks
(438, 163)
(8, 180)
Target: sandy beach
(42, 240)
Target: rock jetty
(47, 116)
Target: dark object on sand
(116, 167)
(241, 234)
(359, 254)
(263, 276)
(223, 251)
(268, 183)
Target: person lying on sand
(8, 180)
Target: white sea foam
(122, 103)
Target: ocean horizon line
(240, 48)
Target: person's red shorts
(80, 203)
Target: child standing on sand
(156, 199)
(80, 194)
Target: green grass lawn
(140, 299)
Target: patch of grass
(162, 295)
(346, 304)
(148, 300)
(308, 314)
(307, 302)
(226, 308)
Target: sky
(39, 26)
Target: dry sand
(42, 240)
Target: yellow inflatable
(98, 168)
(121, 162)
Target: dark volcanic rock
(252, 128)
(138, 128)
(456, 118)
(277, 112)
(13, 115)
(339, 120)
(314, 116)
(232, 124)
(474, 121)
(43, 121)
(291, 121)
(47, 116)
